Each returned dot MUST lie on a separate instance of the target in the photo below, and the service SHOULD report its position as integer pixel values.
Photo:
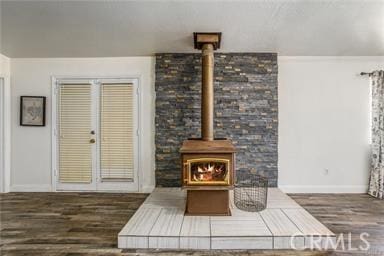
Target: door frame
(2, 146)
(5, 132)
(113, 186)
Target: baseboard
(31, 188)
(284, 188)
(147, 189)
(323, 189)
(48, 188)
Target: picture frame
(32, 110)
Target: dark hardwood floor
(64, 223)
(350, 215)
(88, 223)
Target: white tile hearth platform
(160, 223)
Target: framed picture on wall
(32, 110)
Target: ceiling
(136, 28)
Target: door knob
(92, 141)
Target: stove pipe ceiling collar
(207, 43)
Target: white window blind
(75, 125)
(117, 131)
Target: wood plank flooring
(87, 223)
(64, 223)
(349, 214)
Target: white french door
(96, 138)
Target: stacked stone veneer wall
(246, 110)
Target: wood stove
(208, 164)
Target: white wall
(5, 128)
(5, 65)
(31, 146)
(324, 123)
(323, 119)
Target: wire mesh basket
(251, 192)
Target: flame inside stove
(208, 171)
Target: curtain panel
(376, 182)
